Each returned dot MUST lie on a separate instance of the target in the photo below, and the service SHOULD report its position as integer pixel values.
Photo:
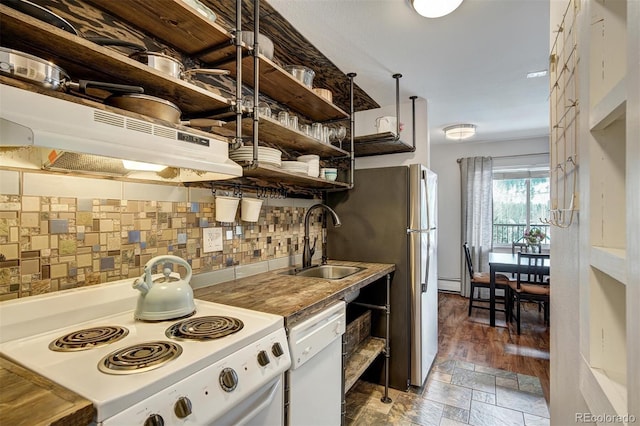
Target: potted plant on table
(533, 237)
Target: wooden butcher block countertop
(27, 398)
(292, 297)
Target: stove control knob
(228, 379)
(263, 358)
(154, 420)
(276, 349)
(182, 407)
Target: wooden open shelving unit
(182, 27)
(283, 87)
(379, 143)
(179, 25)
(272, 131)
(268, 172)
(83, 59)
(364, 354)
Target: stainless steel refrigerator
(390, 217)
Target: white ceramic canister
(226, 208)
(250, 209)
(386, 124)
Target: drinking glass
(341, 132)
(316, 131)
(264, 109)
(306, 129)
(293, 122)
(283, 118)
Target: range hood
(43, 132)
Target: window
(520, 201)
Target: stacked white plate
(314, 164)
(265, 155)
(295, 167)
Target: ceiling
(471, 65)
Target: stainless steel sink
(327, 272)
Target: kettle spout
(141, 285)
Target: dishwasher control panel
(314, 334)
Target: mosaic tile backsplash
(54, 243)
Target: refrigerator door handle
(426, 272)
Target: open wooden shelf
(269, 173)
(379, 143)
(272, 131)
(281, 86)
(83, 59)
(181, 26)
(175, 23)
(178, 25)
(364, 354)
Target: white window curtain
(476, 180)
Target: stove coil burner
(204, 328)
(140, 357)
(88, 338)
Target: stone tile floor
(456, 393)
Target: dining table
(506, 262)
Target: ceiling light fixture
(460, 131)
(435, 8)
(536, 74)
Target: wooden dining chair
(532, 284)
(480, 280)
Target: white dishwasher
(315, 377)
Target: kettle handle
(172, 259)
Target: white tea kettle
(166, 297)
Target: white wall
(365, 125)
(443, 162)
(565, 359)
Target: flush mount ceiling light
(460, 131)
(435, 8)
(536, 74)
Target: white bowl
(331, 175)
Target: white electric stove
(222, 365)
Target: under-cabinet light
(142, 167)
